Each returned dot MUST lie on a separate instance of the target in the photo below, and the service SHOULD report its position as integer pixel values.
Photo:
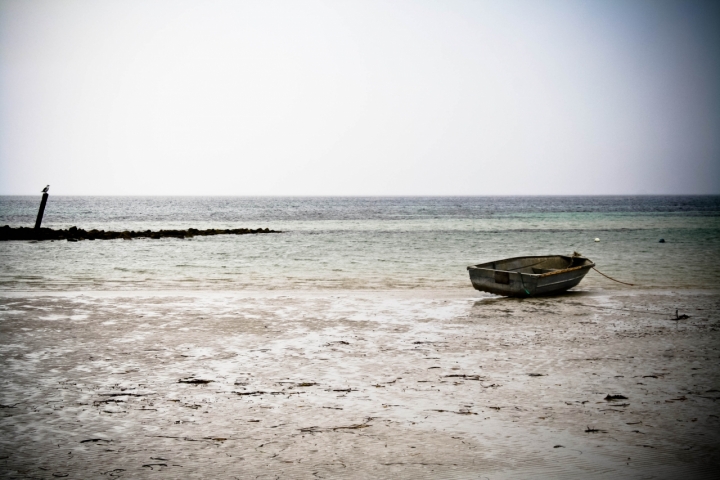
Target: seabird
(45, 190)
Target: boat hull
(529, 276)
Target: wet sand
(359, 385)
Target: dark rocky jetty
(74, 234)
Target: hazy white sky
(359, 97)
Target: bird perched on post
(45, 190)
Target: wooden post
(42, 210)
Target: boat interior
(536, 265)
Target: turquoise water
(360, 243)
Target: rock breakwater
(74, 234)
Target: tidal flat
(404, 384)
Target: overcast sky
(359, 97)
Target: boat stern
(499, 282)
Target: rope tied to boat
(613, 279)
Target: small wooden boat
(530, 276)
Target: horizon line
(375, 196)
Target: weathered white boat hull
(529, 276)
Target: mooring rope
(614, 280)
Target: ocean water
(354, 243)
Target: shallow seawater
(360, 243)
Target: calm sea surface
(360, 243)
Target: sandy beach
(404, 384)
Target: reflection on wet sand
(324, 385)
